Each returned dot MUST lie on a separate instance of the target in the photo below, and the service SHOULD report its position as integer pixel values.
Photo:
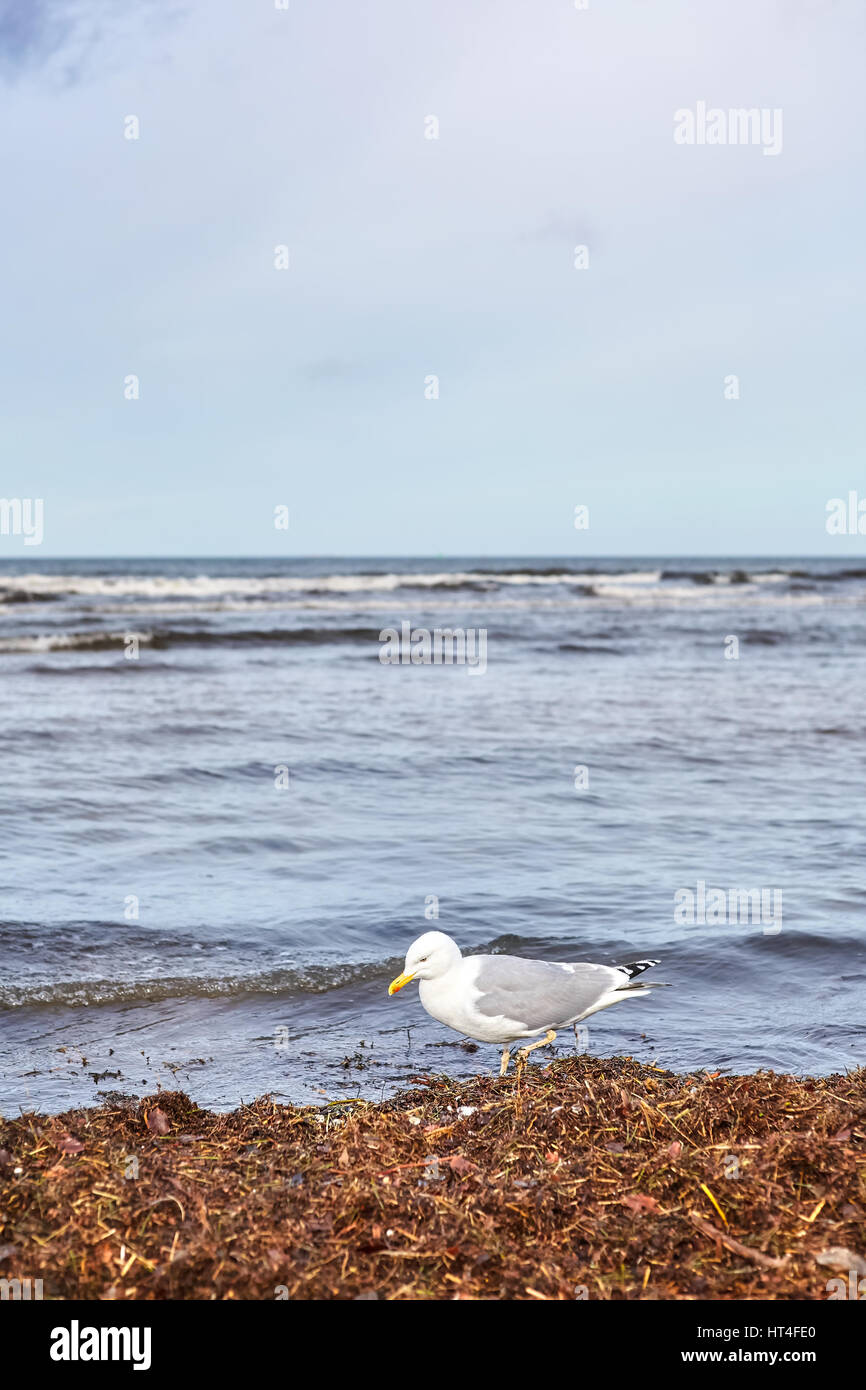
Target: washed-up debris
(839, 1258)
(618, 1180)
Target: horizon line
(441, 555)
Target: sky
(698, 385)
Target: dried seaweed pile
(584, 1178)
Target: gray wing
(539, 994)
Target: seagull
(498, 999)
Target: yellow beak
(400, 981)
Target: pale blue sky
(412, 256)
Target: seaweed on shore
(585, 1178)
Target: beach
(582, 1179)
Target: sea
(226, 817)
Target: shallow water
(270, 920)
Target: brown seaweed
(584, 1178)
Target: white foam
(239, 586)
(69, 641)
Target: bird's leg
(506, 1058)
(524, 1052)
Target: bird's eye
(422, 960)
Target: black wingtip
(637, 967)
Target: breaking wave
(312, 979)
(161, 640)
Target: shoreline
(586, 1178)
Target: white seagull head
(430, 956)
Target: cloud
(30, 34)
(329, 369)
(62, 39)
(567, 228)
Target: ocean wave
(28, 595)
(696, 576)
(763, 637)
(33, 587)
(161, 602)
(587, 648)
(39, 586)
(161, 640)
(304, 980)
